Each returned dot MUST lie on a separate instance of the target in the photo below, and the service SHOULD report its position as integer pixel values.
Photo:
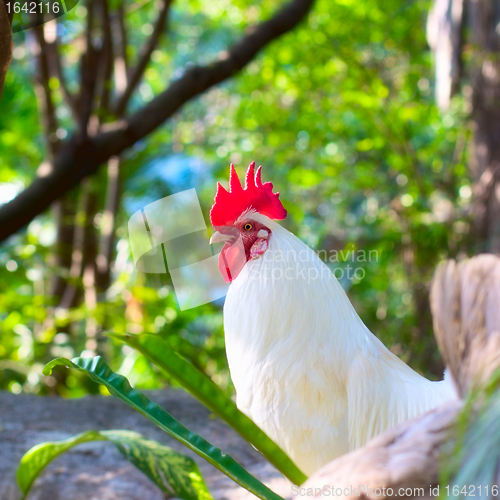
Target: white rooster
(305, 367)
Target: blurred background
(340, 111)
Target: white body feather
(305, 367)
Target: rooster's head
(232, 216)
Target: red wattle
(232, 260)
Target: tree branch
(64, 212)
(88, 74)
(121, 59)
(144, 58)
(44, 92)
(83, 243)
(80, 156)
(107, 237)
(5, 43)
(107, 59)
(57, 71)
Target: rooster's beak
(219, 237)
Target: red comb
(230, 205)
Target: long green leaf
(196, 382)
(119, 387)
(174, 473)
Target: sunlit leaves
(339, 112)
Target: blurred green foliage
(339, 112)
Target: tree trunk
(484, 16)
(5, 43)
(448, 23)
(107, 236)
(64, 211)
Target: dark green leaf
(175, 473)
(196, 382)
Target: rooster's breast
(282, 368)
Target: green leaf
(174, 473)
(472, 460)
(38, 457)
(119, 387)
(198, 384)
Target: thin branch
(123, 32)
(89, 269)
(121, 58)
(88, 74)
(43, 90)
(64, 212)
(83, 244)
(57, 71)
(107, 59)
(136, 6)
(144, 58)
(105, 254)
(81, 156)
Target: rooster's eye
(248, 226)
